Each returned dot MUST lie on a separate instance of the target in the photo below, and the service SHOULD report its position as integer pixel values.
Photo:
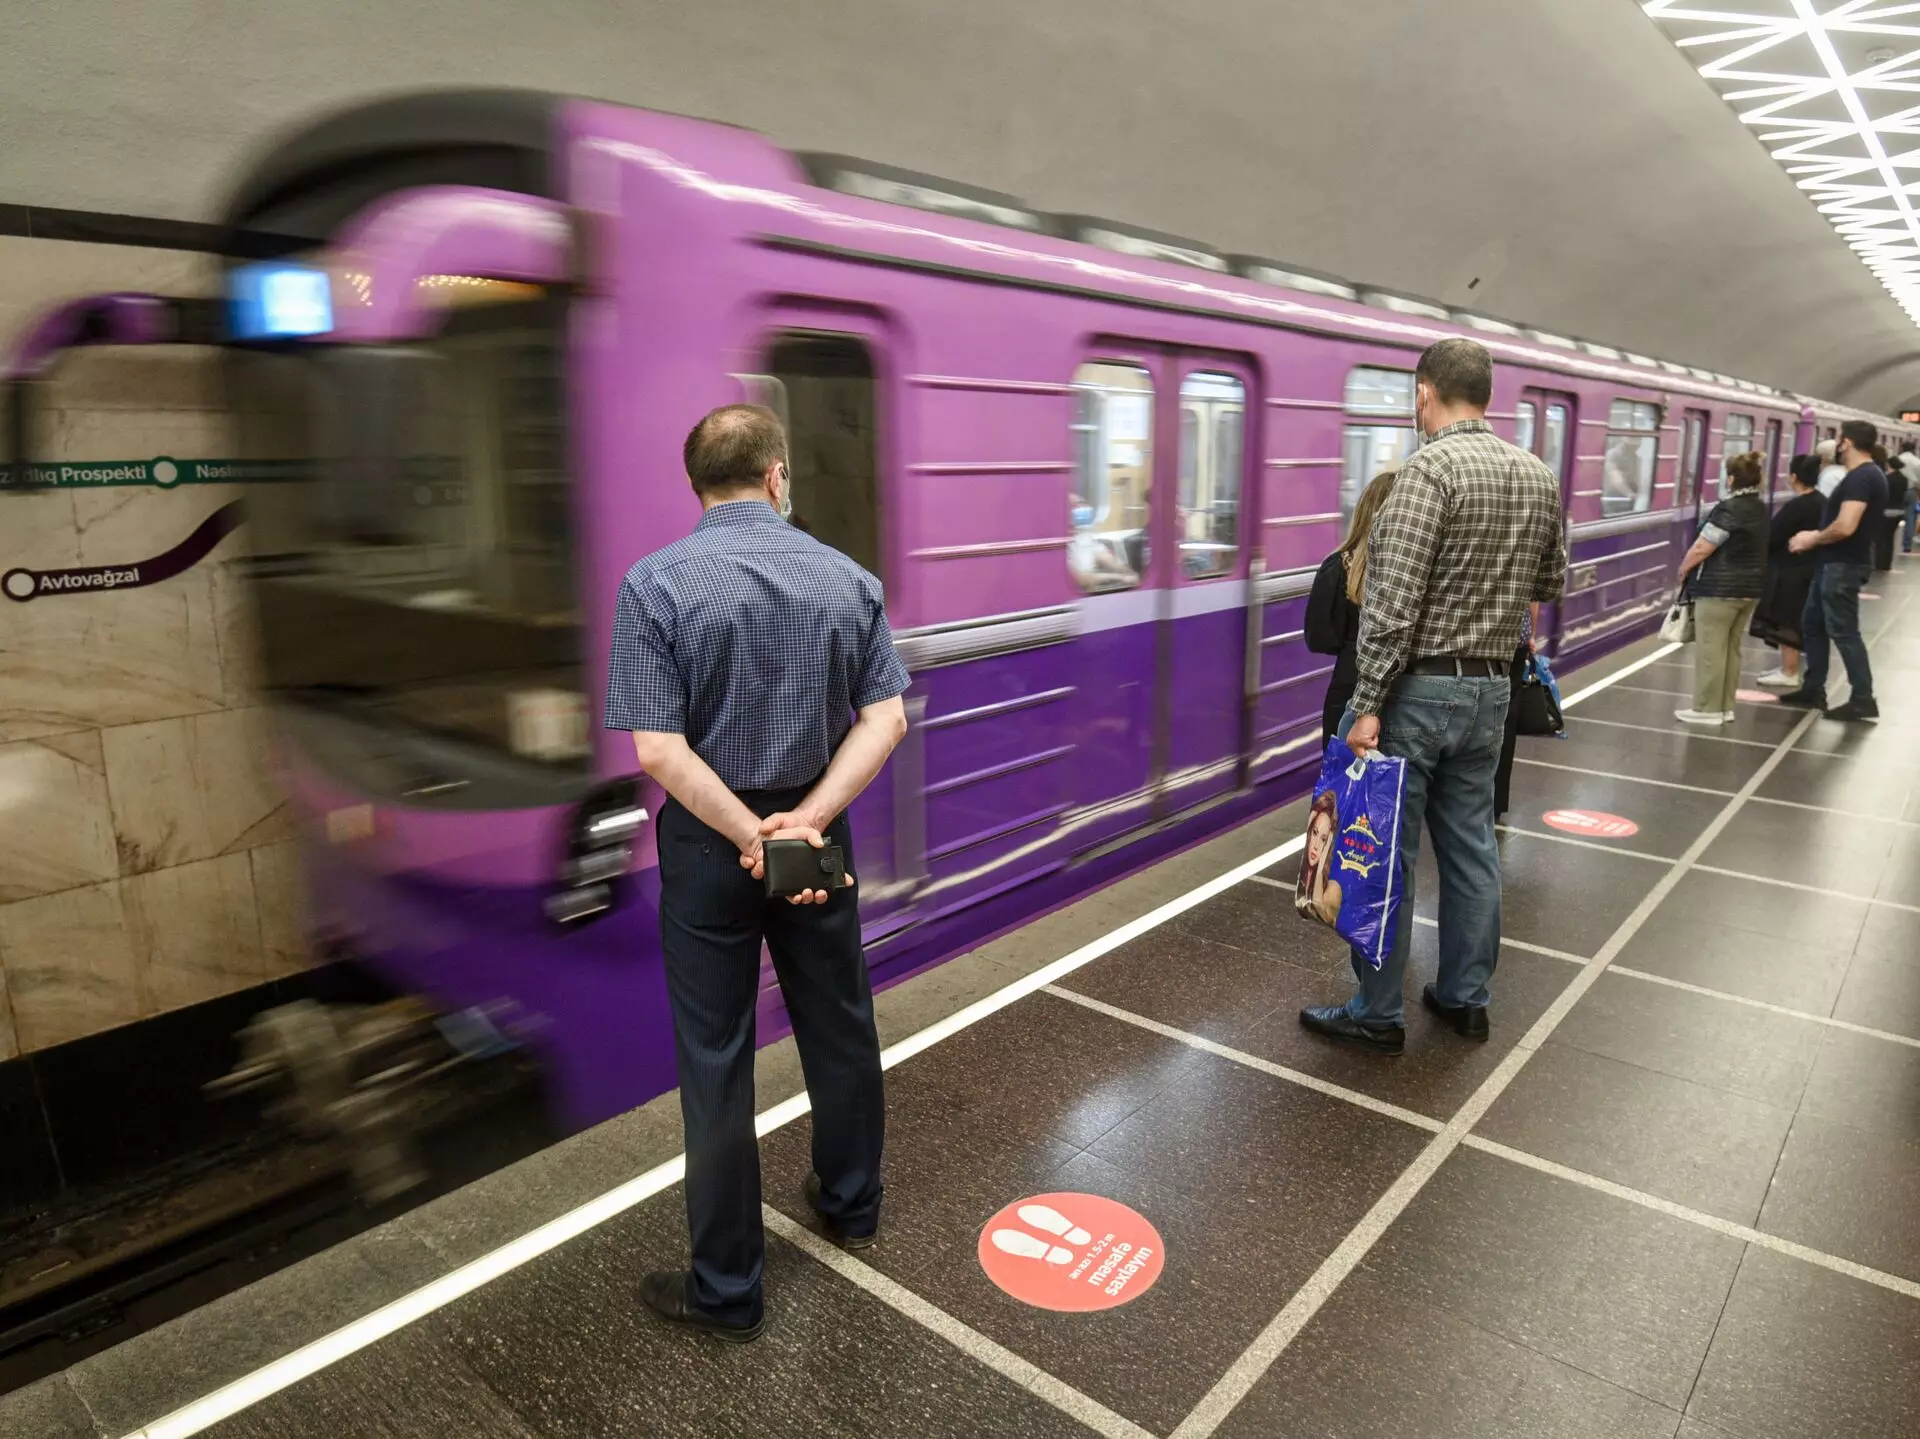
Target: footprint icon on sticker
(1050, 1221)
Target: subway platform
(1674, 1195)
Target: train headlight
(599, 849)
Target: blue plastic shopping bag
(1350, 869)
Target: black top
(1737, 570)
(1333, 620)
(1866, 483)
(1799, 514)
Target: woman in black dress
(1789, 576)
(1333, 608)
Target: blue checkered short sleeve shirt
(756, 642)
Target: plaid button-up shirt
(756, 642)
(1471, 533)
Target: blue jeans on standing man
(1448, 729)
(1833, 613)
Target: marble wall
(146, 855)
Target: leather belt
(1460, 668)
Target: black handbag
(1534, 709)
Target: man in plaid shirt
(1472, 534)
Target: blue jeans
(1833, 613)
(1448, 729)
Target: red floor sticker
(1071, 1252)
(1756, 697)
(1593, 822)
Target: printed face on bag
(1317, 895)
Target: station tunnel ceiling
(1557, 162)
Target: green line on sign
(162, 471)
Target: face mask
(1082, 516)
(785, 507)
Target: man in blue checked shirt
(755, 668)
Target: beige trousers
(1718, 628)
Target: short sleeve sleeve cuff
(645, 691)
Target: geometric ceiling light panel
(1832, 89)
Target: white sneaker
(1726, 717)
(1778, 680)
(1713, 717)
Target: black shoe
(834, 1231)
(1334, 1022)
(1804, 698)
(665, 1293)
(1855, 710)
(1469, 1021)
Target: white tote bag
(1677, 628)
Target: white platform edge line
(311, 1358)
(965, 1338)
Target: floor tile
(1612, 750)
(1806, 974)
(565, 1342)
(1624, 1293)
(1900, 880)
(1374, 1362)
(1871, 1084)
(1882, 993)
(1560, 895)
(1194, 985)
(1439, 1070)
(1888, 933)
(48, 1409)
(1735, 1047)
(409, 1385)
(1701, 1147)
(1669, 819)
(1751, 722)
(1042, 1067)
(1258, 919)
(1802, 1351)
(1790, 915)
(1842, 784)
(1829, 851)
(1832, 1193)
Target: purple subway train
(1094, 466)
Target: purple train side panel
(1095, 484)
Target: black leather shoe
(1469, 1021)
(1334, 1022)
(665, 1293)
(1854, 710)
(834, 1231)
(1805, 699)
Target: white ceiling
(1563, 154)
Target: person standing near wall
(1470, 536)
(757, 672)
(1844, 544)
(1333, 606)
(1730, 555)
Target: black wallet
(794, 865)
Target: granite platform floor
(1675, 1194)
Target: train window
(1369, 449)
(1736, 439)
(1524, 418)
(1773, 453)
(1554, 452)
(1212, 413)
(1113, 476)
(1380, 392)
(1633, 445)
(822, 387)
(1692, 446)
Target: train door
(1203, 626)
(1693, 460)
(1544, 424)
(1773, 459)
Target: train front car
(433, 583)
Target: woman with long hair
(1731, 556)
(1789, 576)
(1333, 608)
(1317, 893)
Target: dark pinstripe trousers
(713, 916)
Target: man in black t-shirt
(1855, 511)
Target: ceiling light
(1833, 91)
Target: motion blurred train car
(1095, 468)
